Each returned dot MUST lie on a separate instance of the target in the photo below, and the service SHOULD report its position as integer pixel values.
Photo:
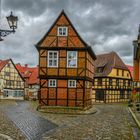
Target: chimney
(18, 64)
(26, 65)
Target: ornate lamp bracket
(4, 33)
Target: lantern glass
(12, 21)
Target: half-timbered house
(136, 62)
(11, 82)
(112, 79)
(30, 75)
(131, 69)
(66, 66)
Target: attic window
(100, 69)
(8, 65)
(62, 31)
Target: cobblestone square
(111, 122)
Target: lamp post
(12, 21)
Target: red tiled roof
(34, 76)
(131, 69)
(3, 63)
(31, 73)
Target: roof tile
(29, 72)
(107, 62)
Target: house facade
(136, 62)
(30, 75)
(66, 66)
(131, 69)
(11, 82)
(112, 80)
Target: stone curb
(134, 117)
(5, 137)
(86, 112)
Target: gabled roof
(63, 13)
(34, 76)
(31, 73)
(108, 62)
(3, 63)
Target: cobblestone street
(111, 122)
(28, 122)
(9, 129)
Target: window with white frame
(52, 58)
(72, 59)
(62, 31)
(52, 83)
(72, 83)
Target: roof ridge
(3, 63)
(107, 53)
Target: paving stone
(9, 129)
(112, 122)
(32, 125)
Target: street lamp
(12, 21)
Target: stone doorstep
(67, 110)
(134, 117)
(5, 137)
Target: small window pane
(60, 29)
(64, 29)
(72, 63)
(50, 63)
(55, 62)
(50, 55)
(55, 55)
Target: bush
(26, 98)
(34, 99)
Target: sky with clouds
(106, 25)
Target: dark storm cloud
(106, 25)
(35, 7)
(30, 7)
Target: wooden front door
(99, 95)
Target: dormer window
(62, 31)
(100, 69)
(8, 65)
